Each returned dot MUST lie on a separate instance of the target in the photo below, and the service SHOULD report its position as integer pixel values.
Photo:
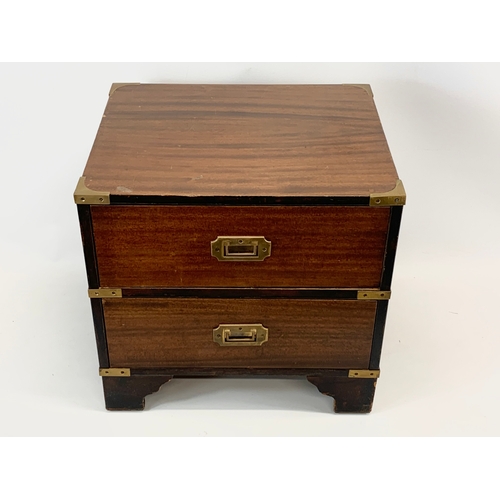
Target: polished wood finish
(351, 395)
(178, 332)
(169, 246)
(240, 140)
(128, 393)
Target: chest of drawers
(234, 230)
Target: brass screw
(82, 199)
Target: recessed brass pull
(240, 335)
(241, 248)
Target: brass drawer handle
(240, 335)
(241, 248)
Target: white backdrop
(440, 369)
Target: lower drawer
(155, 333)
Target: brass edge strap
(116, 86)
(114, 372)
(105, 293)
(395, 197)
(374, 295)
(364, 374)
(85, 196)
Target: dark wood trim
(385, 284)
(242, 293)
(100, 332)
(390, 251)
(378, 334)
(351, 395)
(85, 217)
(128, 393)
(236, 372)
(240, 200)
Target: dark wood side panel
(100, 332)
(169, 246)
(157, 333)
(392, 243)
(87, 232)
(378, 334)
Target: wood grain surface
(240, 140)
(146, 333)
(169, 246)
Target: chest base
(352, 390)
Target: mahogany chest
(233, 230)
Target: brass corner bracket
(114, 372)
(365, 86)
(374, 295)
(395, 197)
(105, 293)
(364, 374)
(115, 86)
(85, 196)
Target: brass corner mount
(395, 197)
(85, 196)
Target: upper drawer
(170, 246)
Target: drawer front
(170, 246)
(154, 333)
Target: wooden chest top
(240, 140)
